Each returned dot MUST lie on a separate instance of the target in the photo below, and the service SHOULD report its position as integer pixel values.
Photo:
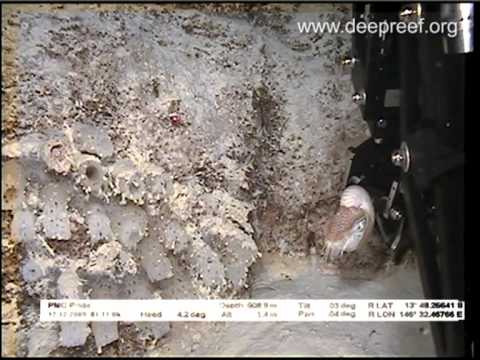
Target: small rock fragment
(104, 332)
(23, 227)
(55, 218)
(42, 339)
(29, 146)
(69, 286)
(176, 238)
(32, 270)
(92, 140)
(155, 329)
(112, 261)
(74, 333)
(129, 224)
(206, 266)
(98, 224)
(154, 260)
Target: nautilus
(352, 223)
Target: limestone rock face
(158, 153)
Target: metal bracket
(391, 197)
(401, 157)
(398, 235)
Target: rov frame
(411, 92)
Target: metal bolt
(397, 158)
(405, 13)
(382, 123)
(412, 12)
(359, 98)
(356, 179)
(395, 214)
(401, 157)
(348, 61)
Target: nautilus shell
(352, 224)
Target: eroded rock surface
(161, 151)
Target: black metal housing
(417, 89)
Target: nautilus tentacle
(352, 224)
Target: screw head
(401, 157)
(395, 214)
(349, 61)
(355, 180)
(397, 158)
(382, 123)
(359, 98)
(410, 13)
(405, 13)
